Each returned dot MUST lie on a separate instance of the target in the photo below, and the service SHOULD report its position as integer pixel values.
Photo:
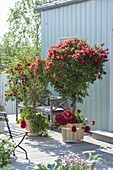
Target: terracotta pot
(69, 136)
(29, 128)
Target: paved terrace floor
(48, 149)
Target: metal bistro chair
(57, 106)
(15, 133)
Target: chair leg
(14, 153)
(24, 151)
(18, 145)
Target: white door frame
(111, 83)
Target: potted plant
(72, 125)
(6, 150)
(27, 83)
(36, 123)
(85, 161)
(73, 65)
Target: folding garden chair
(15, 133)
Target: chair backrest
(6, 120)
(58, 104)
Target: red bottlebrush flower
(51, 72)
(61, 120)
(81, 62)
(58, 76)
(85, 63)
(37, 63)
(88, 62)
(104, 73)
(66, 113)
(96, 72)
(72, 119)
(102, 44)
(64, 122)
(93, 122)
(74, 129)
(31, 66)
(97, 63)
(87, 128)
(47, 67)
(37, 70)
(71, 105)
(23, 124)
(59, 64)
(78, 110)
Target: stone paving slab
(48, 149)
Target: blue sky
(4, 11)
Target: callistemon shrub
(73, 65)
(27, 82)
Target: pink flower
(31, 67)
(47, 67)
(49, 63)
(81, 62)
(59, 64)
(37, 63)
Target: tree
(73, 65)
(23, 37)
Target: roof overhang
(56, 4)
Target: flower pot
(69, 136)
(29, 128)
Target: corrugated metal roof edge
(51, 5)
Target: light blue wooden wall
(10, 106)
(92, 19)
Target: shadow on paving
(50, 149)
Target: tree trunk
(74, 106)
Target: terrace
(48, 149)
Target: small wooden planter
(29, 128)
(69, 136)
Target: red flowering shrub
(73, 65)
(68, 117)
(27, 82)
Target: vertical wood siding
(93, 20)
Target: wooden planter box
(69, 136)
